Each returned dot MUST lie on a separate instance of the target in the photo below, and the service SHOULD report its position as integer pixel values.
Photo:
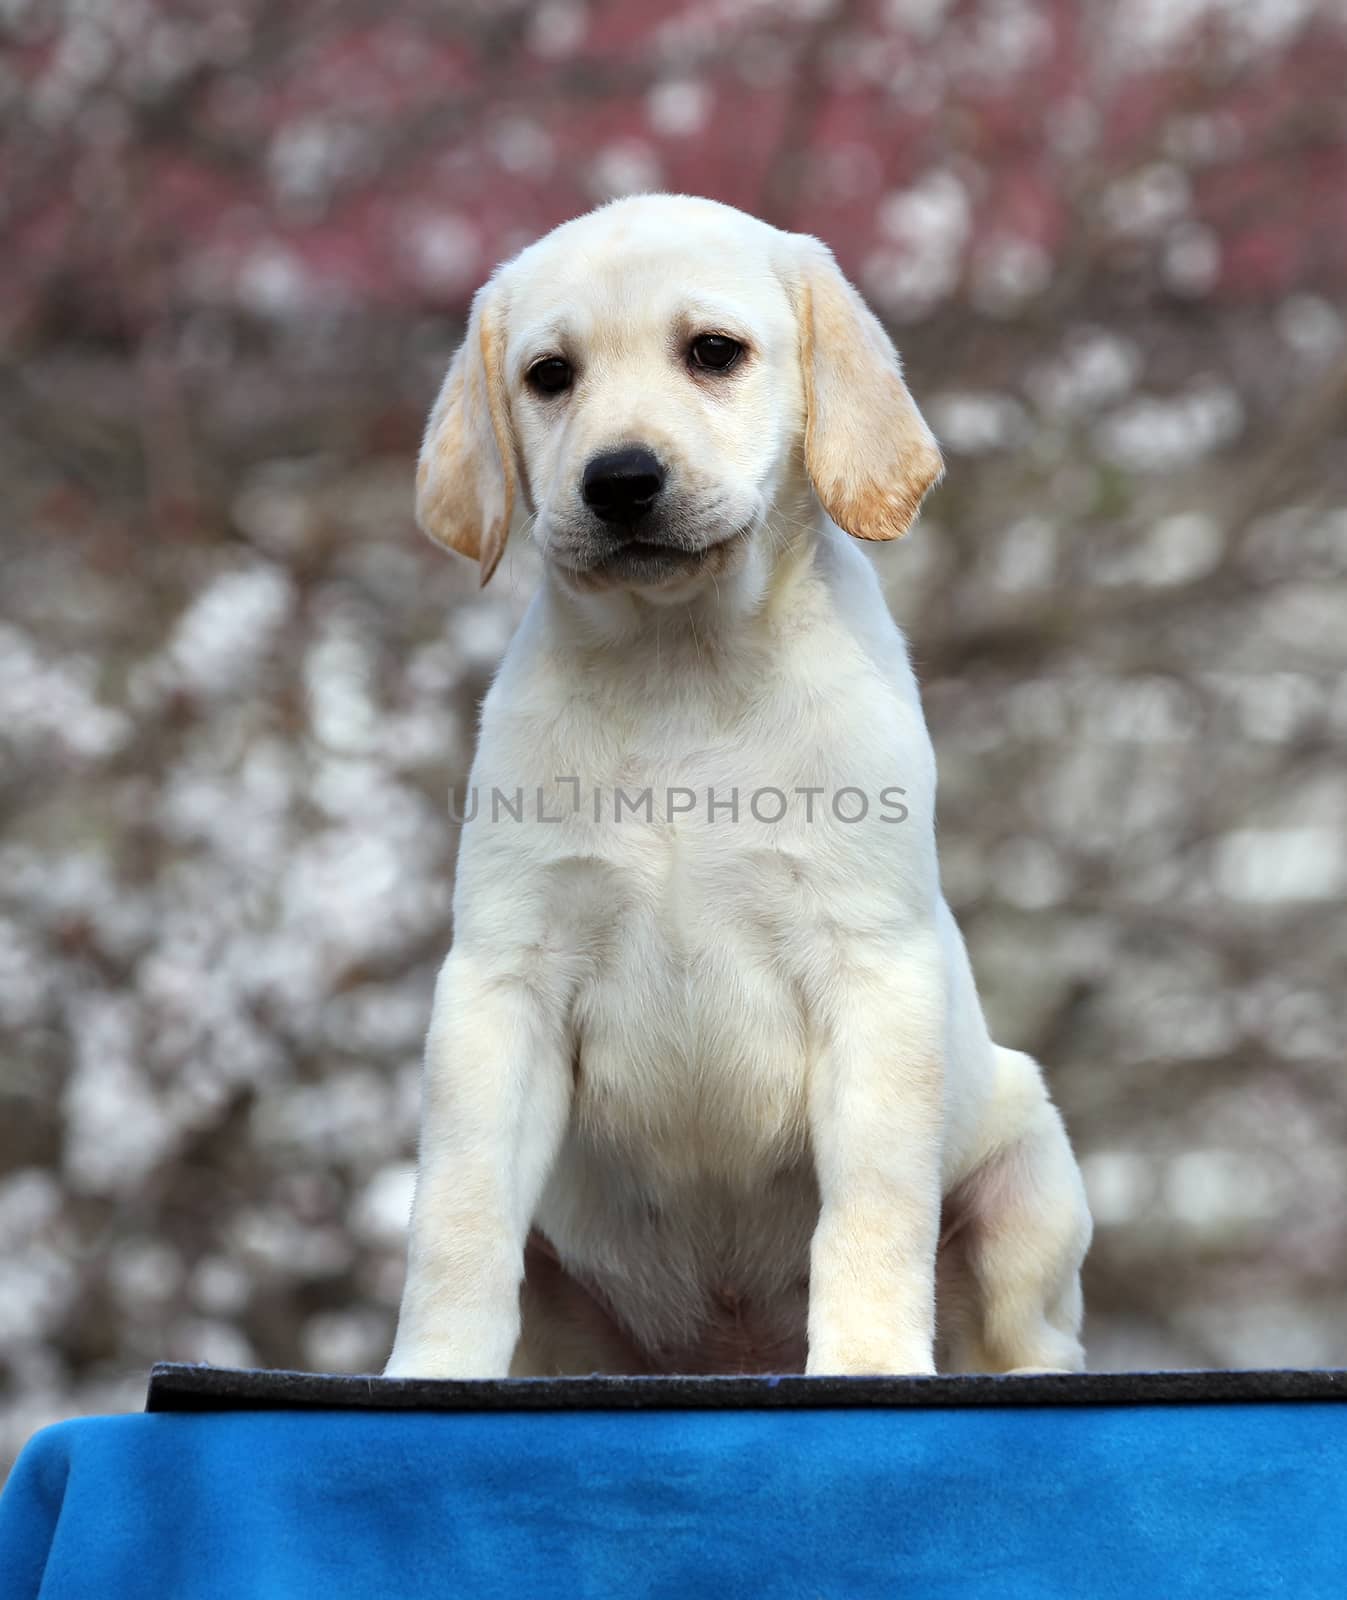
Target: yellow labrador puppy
(708, 1086)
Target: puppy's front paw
(860, 1357)
(439, 1361)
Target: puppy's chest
(691, 1027)
(694, 896)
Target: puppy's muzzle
(621, 486)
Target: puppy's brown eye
(714, 352)
(550, 375)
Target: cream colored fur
(724, 1084)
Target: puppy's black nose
(622, 485)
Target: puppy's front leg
(495, 1099)
(876, 1112)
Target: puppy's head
(647, 380)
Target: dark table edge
(180, 1387)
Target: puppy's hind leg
(1025, 1230)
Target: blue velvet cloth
(1140, 1502)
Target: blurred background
(237, 686)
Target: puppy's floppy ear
(869, 453)
(465, 481)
